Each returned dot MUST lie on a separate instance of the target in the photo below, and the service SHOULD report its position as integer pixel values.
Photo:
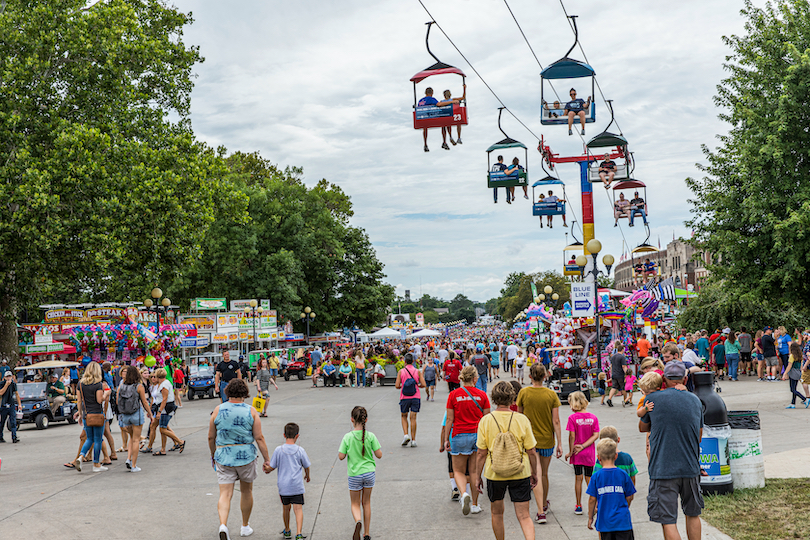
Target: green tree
(752, 209)
(431, 317)
(294, 247)
(104, 190)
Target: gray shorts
(771, 361)
(662, 499)
(246, 473)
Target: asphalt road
(176, 495)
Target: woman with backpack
(507, 459)
(132, 412)
(409, 381)
(465, 408)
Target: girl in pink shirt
(583, 428)
(628, 388)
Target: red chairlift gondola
(430, 112)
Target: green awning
(506, 143)
(606, 139)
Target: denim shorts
(463, 444)
(274, 372)
(545, 452)
(166, 415)
(135, 419)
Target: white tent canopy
(384, 333)
(427, 332)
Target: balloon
(149, 361)
(85, 361)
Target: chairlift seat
(547, 117)
(431, 116)
(593, 172)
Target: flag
(666, 290)
(659, 242)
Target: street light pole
(594, 246)
(252, 311)
(308, 315)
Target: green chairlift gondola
(507, 174)
(607, 140)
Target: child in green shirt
(360, 447)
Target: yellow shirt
(272, 362)
(522, 429)
(538, 404)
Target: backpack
(409, 386)
(505, 453)
(128, 399)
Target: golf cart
(295, 366)
(567, 381)
(34, 398)
(201, 377)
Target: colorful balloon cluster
(562, 335)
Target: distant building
(678, 260)
(408, 295)
(441, 310)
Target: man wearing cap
(637, 206)
(481, 363)
(56, 392)
(674, 419)
(4, 368)
(769, 352)
(511, 354)
(8, 390)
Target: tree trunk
(9, 343)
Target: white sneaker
(135, 469)
(223, 533)
(413, 444)
(100, 468)
(246, 530)
(466, 500)
(406, 440)
(475, 509)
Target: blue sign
(429, 111)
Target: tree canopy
(751, 210)
(294, 246)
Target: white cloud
(325, 85)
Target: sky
(326, 86)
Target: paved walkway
(176, 495)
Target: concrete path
(176, 495)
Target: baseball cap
(726, 330)
(768, 328)
(675, 370)
(480, 347)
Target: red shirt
(178, 376)
(466, 414)
(451, 369)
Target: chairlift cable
(476, 71)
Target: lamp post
(252, 311)
(307, 315)
(159, 305)
(594, 246)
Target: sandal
(146, 450)
(113, 457)
(69, 465)
(160, 453)
(120, 450)
(182, 447)
(175, 447)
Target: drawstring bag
(505, 453)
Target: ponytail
(360, 416)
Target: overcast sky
(325, 85)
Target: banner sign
(209, 304)
(202, 322)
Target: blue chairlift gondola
(554, 112)
(556, 208)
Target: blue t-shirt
(316, 356)
(496, 358)
(703, 347)
(675, 424)
(611, 487)
(74, 374)
(498, 167)
(575, 105)
(328, 368)
(784, 344)
(427, 100)
(290, 460)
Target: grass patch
(772, 513)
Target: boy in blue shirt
(611, 489)
(623, 460)
(290, 459)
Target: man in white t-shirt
(511, 354)
(417, 349)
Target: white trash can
(745, 450)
